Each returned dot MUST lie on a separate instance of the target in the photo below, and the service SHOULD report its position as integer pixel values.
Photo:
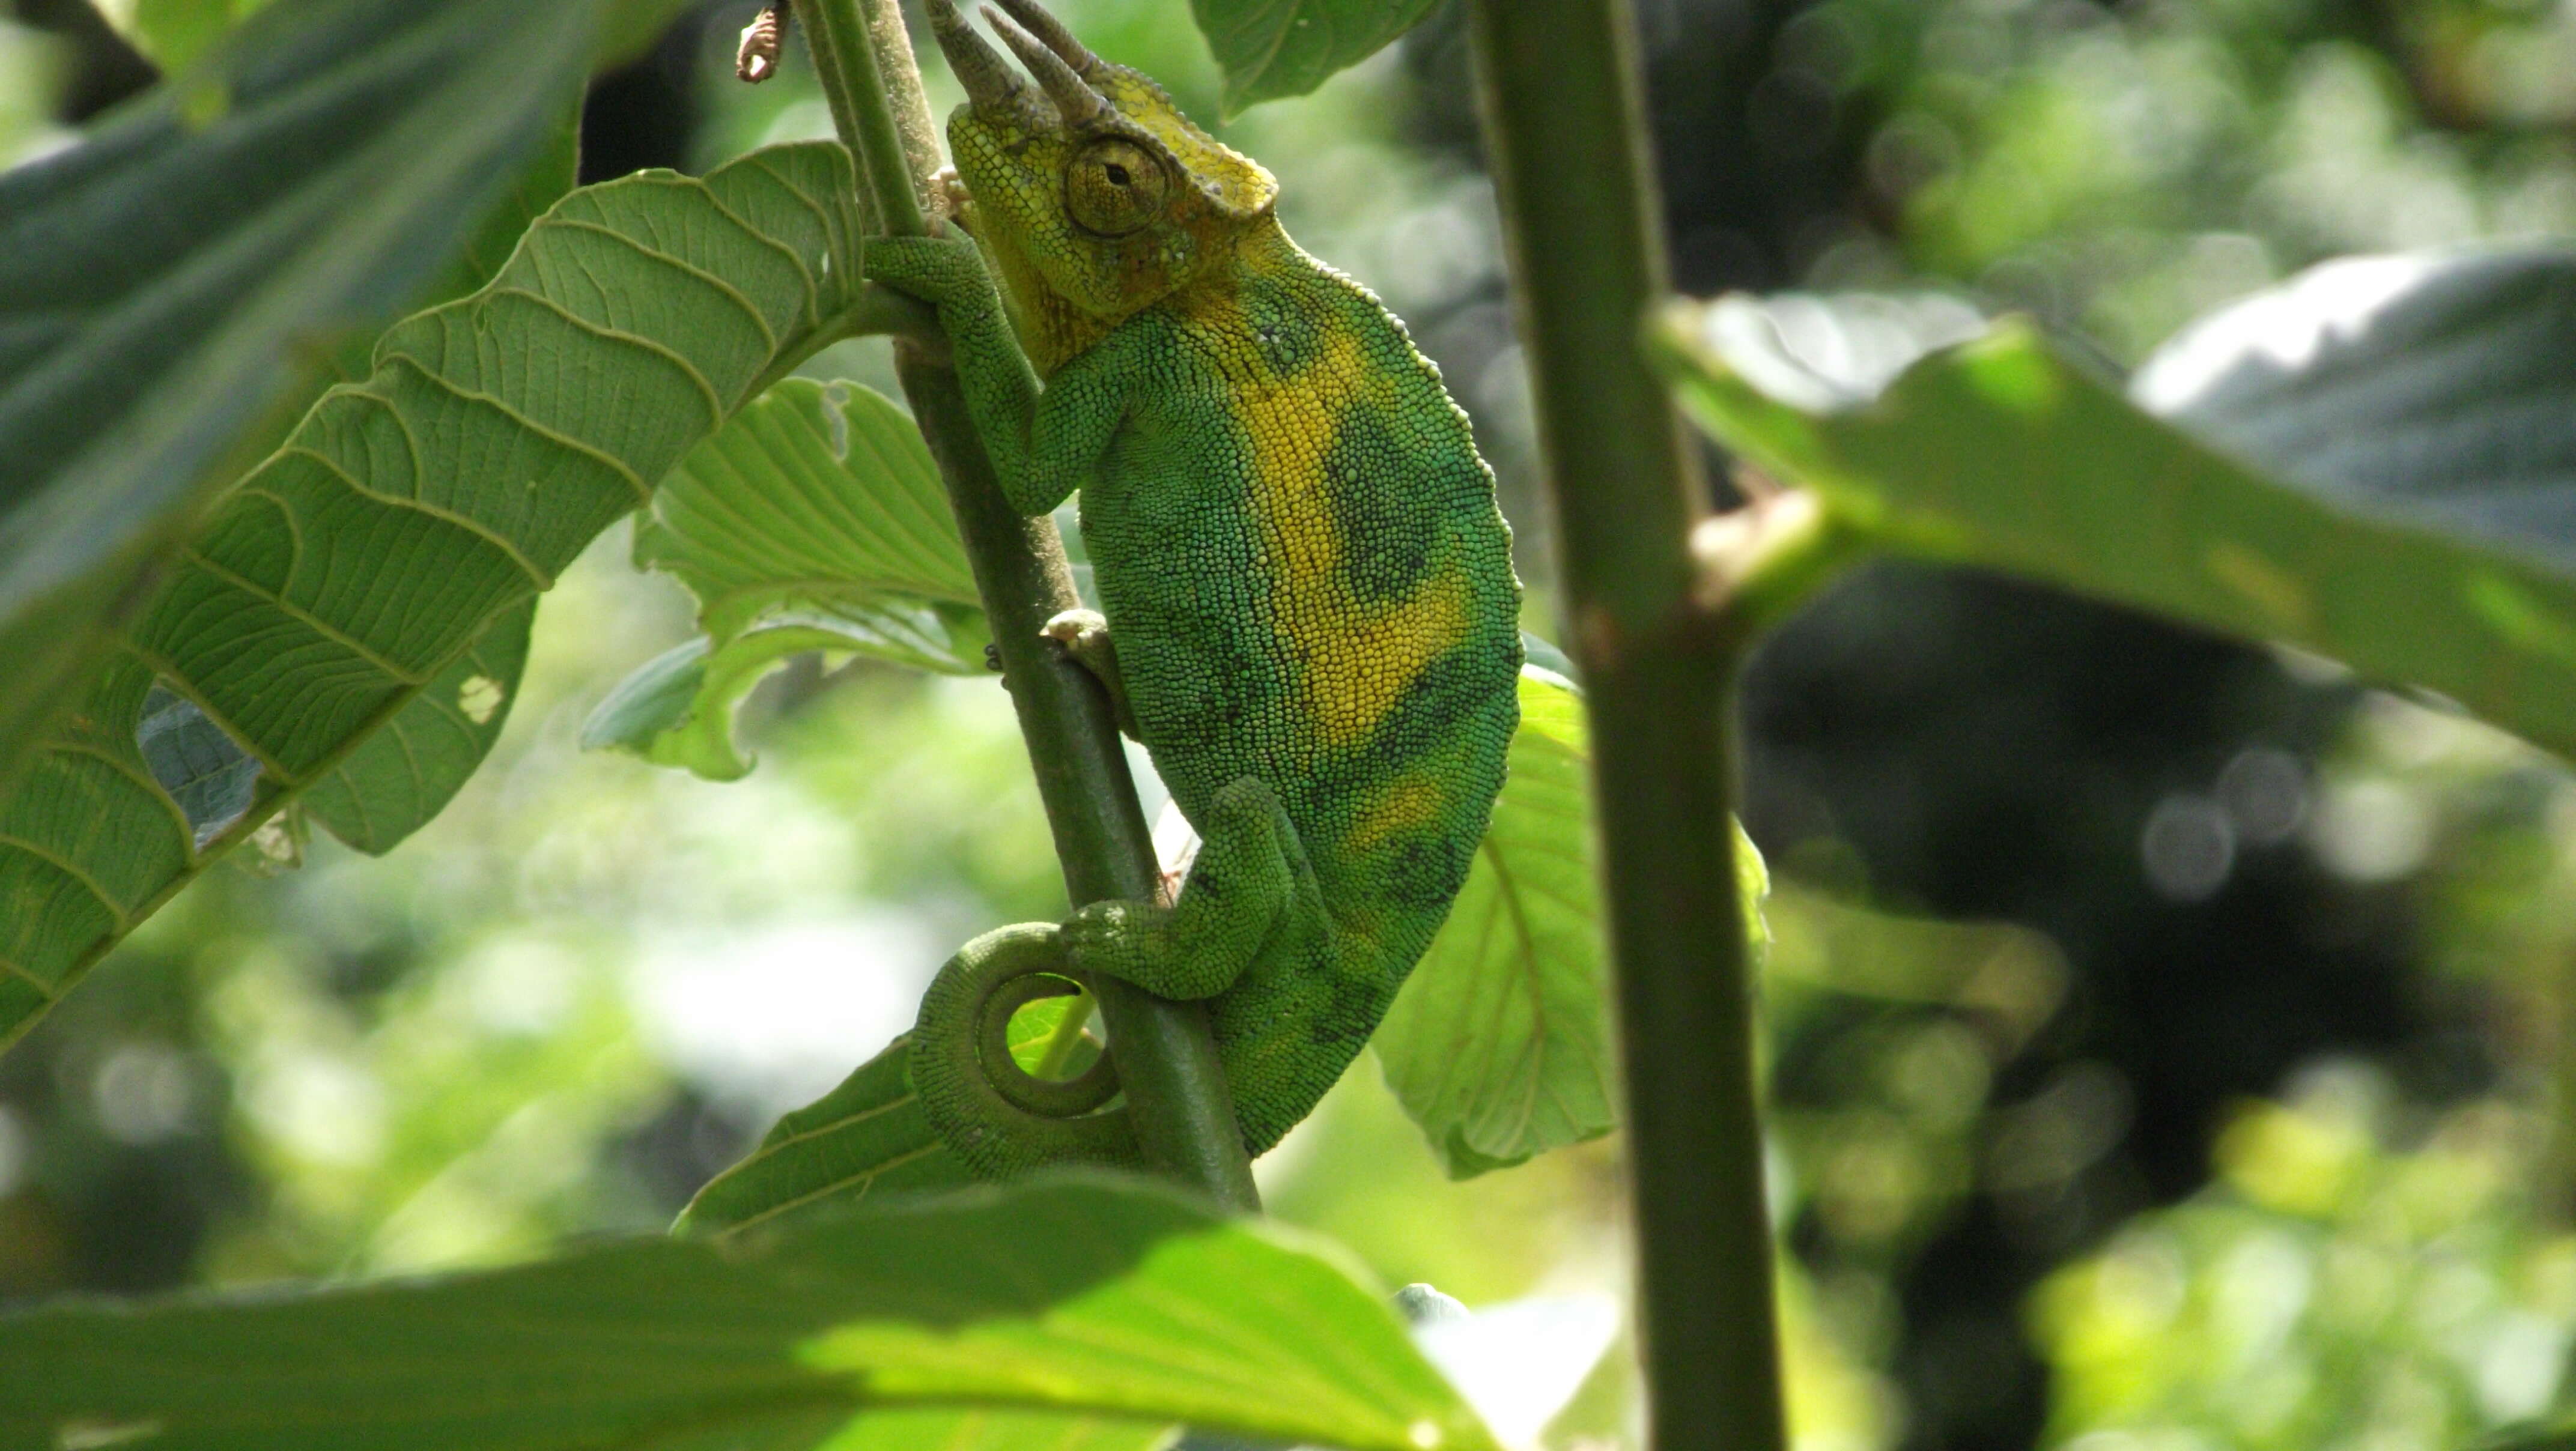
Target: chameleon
(1311, 613)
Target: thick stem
(1167, 1060)
(1564, 127)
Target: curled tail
(993, 1114)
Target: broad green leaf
(2442, 564)
(866, 1135)
(815, 520)
(2435, 390)
(172, 34)
(379, 569)
(164, 284)
(1271, 49)
(1499, 1045)
(992, 1431)
(912, 1430)
(1086, 1296)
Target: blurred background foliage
(2165, 1033)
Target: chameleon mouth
(1052, 55)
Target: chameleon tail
(991, 1113)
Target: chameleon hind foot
(1249, 889)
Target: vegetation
(285, 481)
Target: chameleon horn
(1076, 102)
(988, 79)
(1037, 22)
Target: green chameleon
(1308, 588)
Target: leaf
(1090, 1296)
(160, 283)
(2442, 563)
(2434, 390)
(172, 34)
(815, 520)
(380, 568)
(1271, 49)
(1499, 1043)
(866, 1135)
(992, 1431)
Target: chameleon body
(1305, 578)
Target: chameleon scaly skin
(1309, 588)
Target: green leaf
(379, 570)
(1499, 1043)
(1271, 49)
(2433, 390)
(163, 284)
(991, 1431)
(866, 1135)
(172, 34)
(2411, 527)
(1087, 1297)
(815, 520)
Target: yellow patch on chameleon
(1357, 658)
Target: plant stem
(1564, 126)
(1175, 1087)
(1066, 1037)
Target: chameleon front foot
(1084, 634)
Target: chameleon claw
(1084, 635)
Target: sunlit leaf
(353, 615)
(866, 1136)
(172, 34)
(1086, 1297)
(165, 283)
(2436, 390)
(2379, 473)
(1499, 1044)
(814, 521)
(1270, 49)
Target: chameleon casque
(1307, 584)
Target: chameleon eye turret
(1114, 187)
(1297, 551)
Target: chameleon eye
(1113, 188)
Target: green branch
(1167, 1061)
(1564, 126)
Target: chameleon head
(1093, 195)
